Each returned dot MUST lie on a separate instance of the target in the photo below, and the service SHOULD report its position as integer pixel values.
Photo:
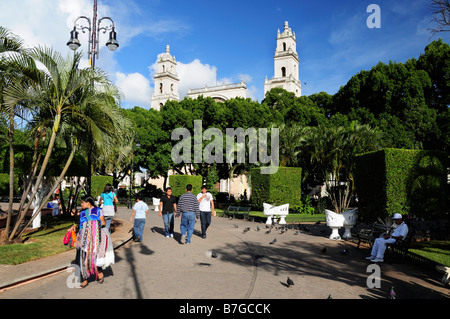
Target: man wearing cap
(379, 246)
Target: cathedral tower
(286, 62)
(166, 80)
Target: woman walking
(94, 247)
(107, 198)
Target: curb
(56, 268)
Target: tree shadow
(303, 258)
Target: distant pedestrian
(188, 207)
(206, 207)
(140, 211)
(167, 208)
(55, 202)
(107, 199)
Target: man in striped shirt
(188, 207)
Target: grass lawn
(435, 250)
(41, 244)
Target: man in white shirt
(206, 207)
(379, 246)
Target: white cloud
(135, 88)
(195, 75)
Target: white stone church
(286, 75)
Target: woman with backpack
(107, 199)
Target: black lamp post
(131, 173)
(93, 30)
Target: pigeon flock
(296, 230)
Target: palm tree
(80, 105)
(9, 44)
(331, 151)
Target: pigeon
(213, 254)
(289, 282)
(268, 232)
(257, 228)
(324, 250)
(204, 264)
(246, 230)
(392, 294)
(297, 232)
(329, 297)
(236, 226)
(273, 241)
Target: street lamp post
(93, 28)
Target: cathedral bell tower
(286, 64)
(166, 80)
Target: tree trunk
(11, 176)
(41, 175)
(55, 185)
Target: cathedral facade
(286, 75)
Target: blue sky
(226, 41)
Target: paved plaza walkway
(163, 268)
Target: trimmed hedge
(178, 184)
(98, 184)
(401, 181)
(283, 187)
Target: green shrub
(283, 187)
(401, 181)
(178, 184)
(98, 184)
(4, 184)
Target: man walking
(206, 207)
(167, 207)
(140, 209)
(188, 207)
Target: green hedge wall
(98, 184)
(178, 184)
(401, 181)
(283, 187)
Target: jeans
(168, 223)
(139, 224)
(205, 219)
(187, 224)
(108, 223)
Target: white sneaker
(378, 260)
(370, 257)
(171, 235)
(167, 236)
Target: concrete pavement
(163, 268)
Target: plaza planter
(334, 221)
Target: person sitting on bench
(379, 246)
